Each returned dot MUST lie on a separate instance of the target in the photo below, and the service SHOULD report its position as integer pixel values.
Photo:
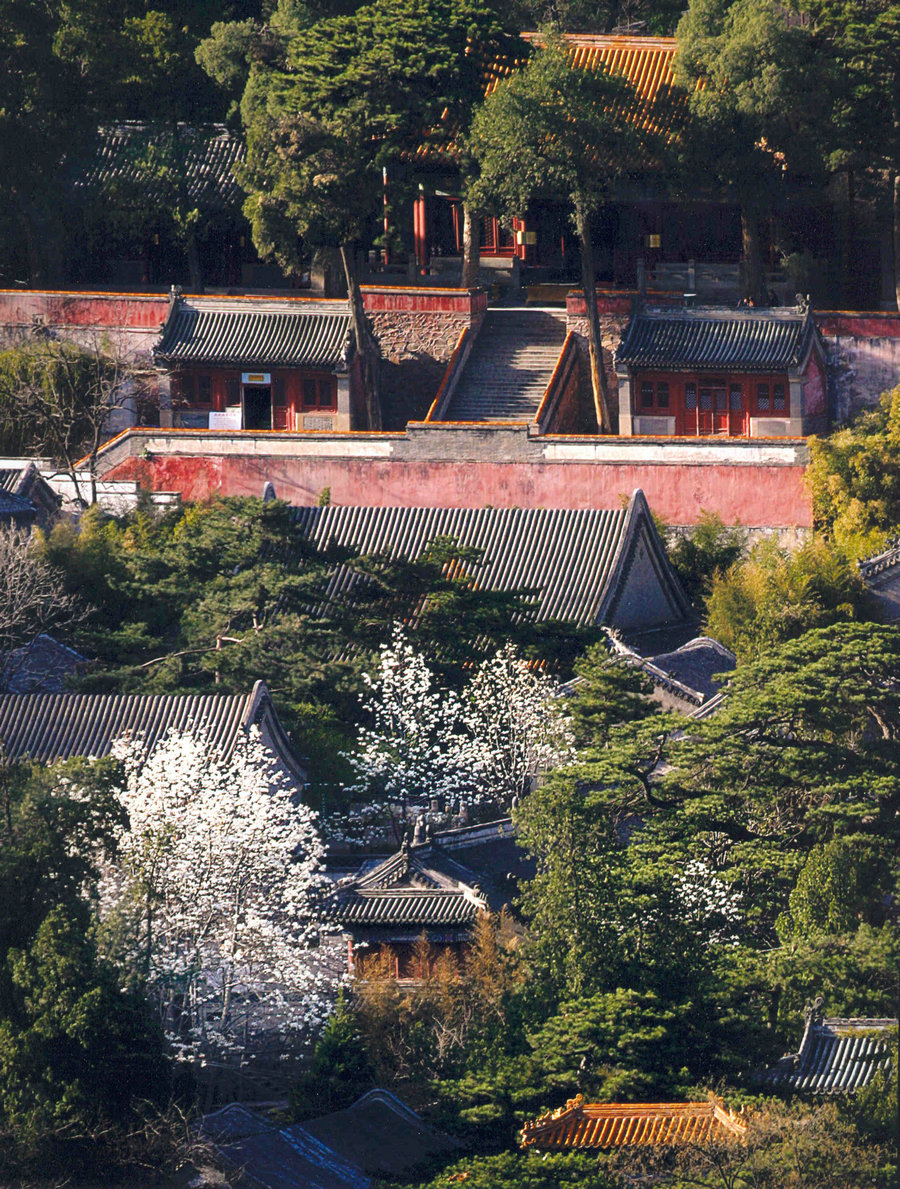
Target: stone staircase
(510, 366)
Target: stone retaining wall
(759, 482)
(417, 331)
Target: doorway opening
(257, 406)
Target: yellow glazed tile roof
(646, 63)
(614, 1125)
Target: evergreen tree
(551, 127)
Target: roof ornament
(802, 302)
(419, 831)
(813, 1013)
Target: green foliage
(325, 109)
(340, 1071)
(855, 971)
(805, 747)
(580, 876)
(656, 17)
(854, 479)
(77, 1050)
(756, 85)
(551, 128)
(862, 37)
(706, 884)
(843, 882)
(797, 1147)
(219, 594)
(873, 1109)
(526, 1170)
(43, 116)
(55, 398)
(709, 549)
(608, 692)
(776, 594)
(623, 1045)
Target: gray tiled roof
(692, 669)
(50, 727)
(270, 1157)
(836, 1056)
(257, 334)
(124, 152)
(415, 887)
(568, 557)
(379, 1133)
(752, 340)
(10, 477)
(43, 665)
(870, 567)
(16, 509)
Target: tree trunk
(35, 269)
(365, 345)
(595, 343)
(753, 288)
(471, 261)
(897, 239)
(193, 257)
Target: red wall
(867, 324)
(21, 307)
(759, 495)
(422, 301)
(620, 301)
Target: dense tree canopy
(757, 84)
(854, 477)
(78, 1048)
(327, 109)
(223, 594)
(774, 594)
(552, 129)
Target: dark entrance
(257, 406)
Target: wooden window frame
(326, 392)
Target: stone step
(509, 368)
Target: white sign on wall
(230, 418)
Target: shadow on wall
(408, 388)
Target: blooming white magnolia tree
(422, 742)
(211, 888)
(414, 744)
(712, 904)
(518, 725)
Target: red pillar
(420, 233)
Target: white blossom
(518, 725)
(423, 743)
(212, 888)
(415, 743)
(710, 902)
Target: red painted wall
(867, 324)
(421, 301)
(620, 301)
(22, 307)
(763, 495)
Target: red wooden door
(738, 411)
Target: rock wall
(417, 331)
(612, 324)
(863, 359)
